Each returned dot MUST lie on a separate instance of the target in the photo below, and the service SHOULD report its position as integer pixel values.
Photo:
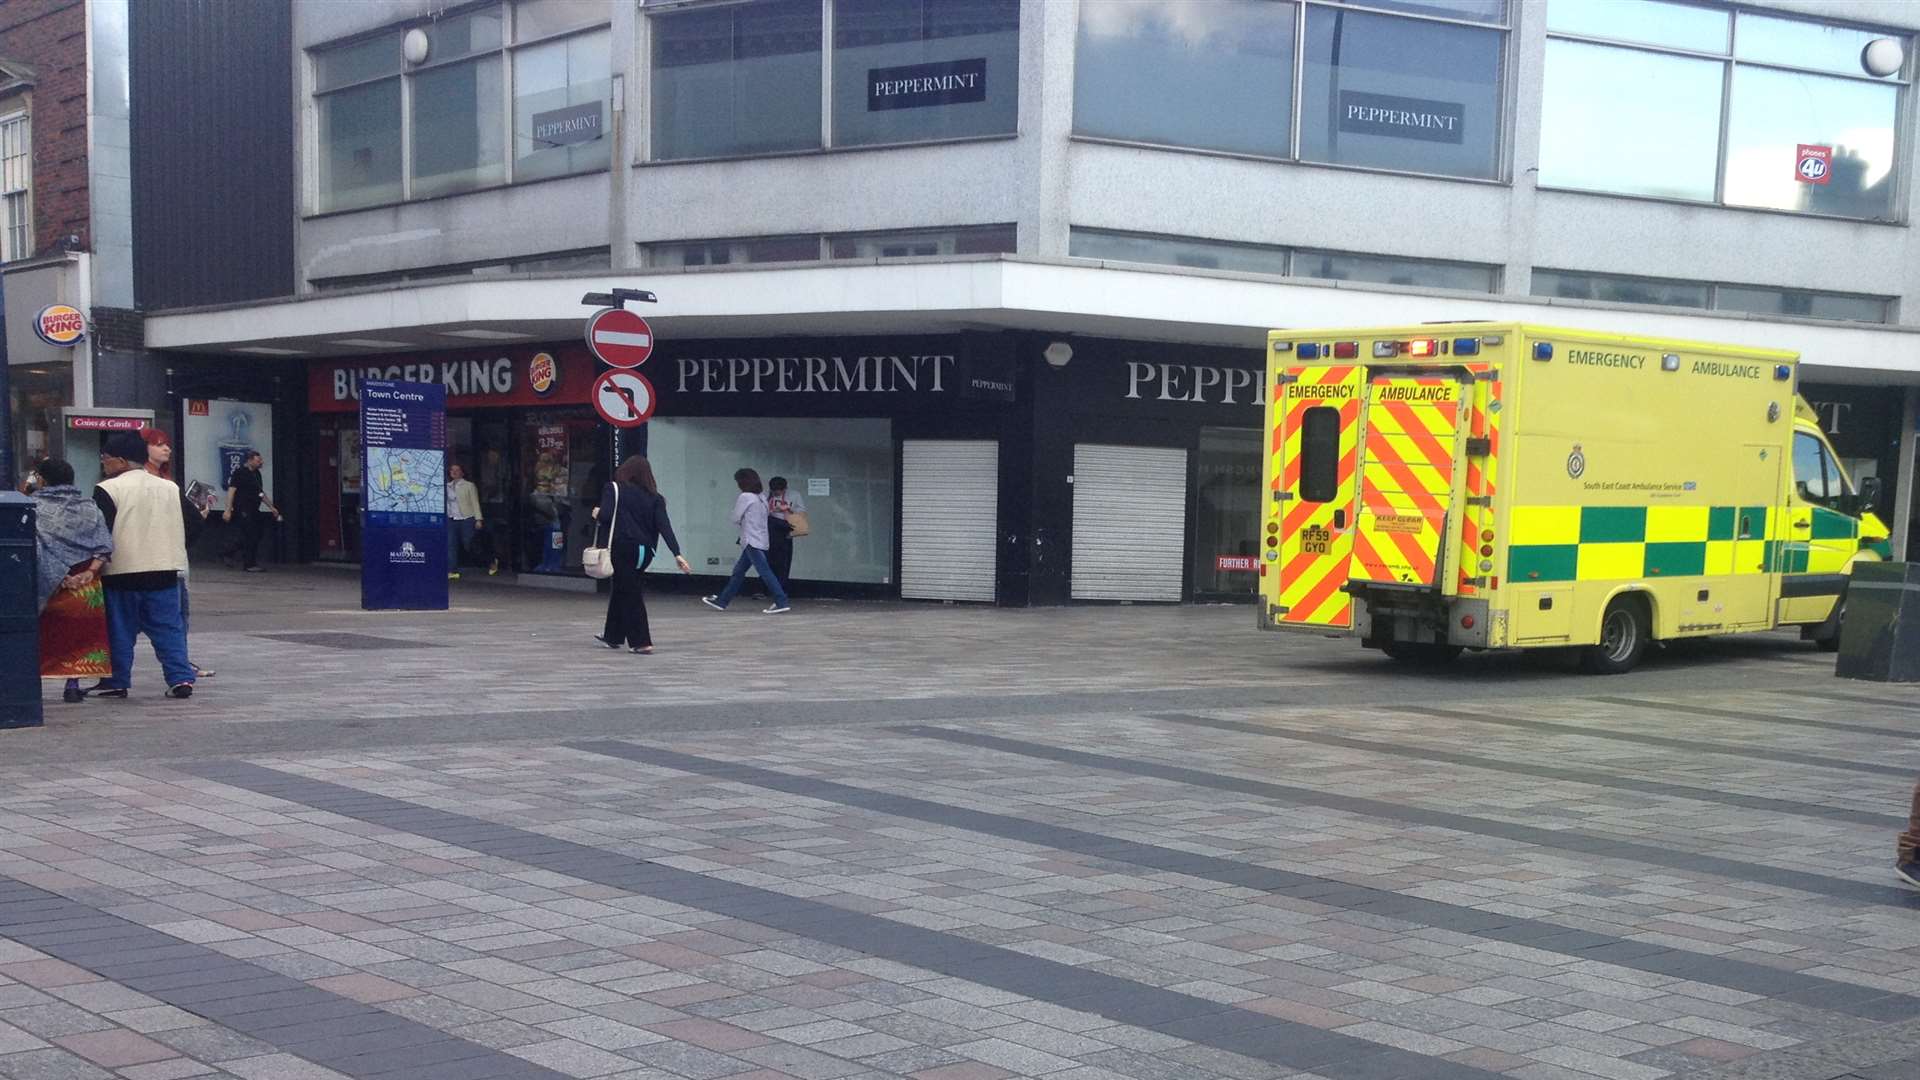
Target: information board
(403, 439)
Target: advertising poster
(403, 436)
(217, 435)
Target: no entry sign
(623, 398)
(619, 337)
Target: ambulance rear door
(1316, 440)
(1412, 477)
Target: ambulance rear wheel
(1624, 632)
(1422, 654)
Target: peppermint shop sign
(1402, 117)
(917, 86)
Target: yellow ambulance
(1490, 486)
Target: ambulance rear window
(1320, 454)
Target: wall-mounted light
(1058, 353)
(1882, 57)
(415, 45)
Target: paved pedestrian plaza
(886, 840)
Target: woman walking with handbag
(635, 517)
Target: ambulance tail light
(1346, 350)
(1466, 622)
(1466, 346)
(1423, 347)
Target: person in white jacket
(750, 517)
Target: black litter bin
(19, 615)
(1880, 636)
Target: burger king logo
(543, 374)
(61, 325)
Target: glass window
(596, 259)
(764, 249)
(535, 19)
(1320, 454)
(1175, 251)
(1654, 131)
(905, 70)
(1785, 123)
(458, 143)
(455, 36)
(1222, 73)
(1815, 478)
(561, 92)
(359, 61)
(359, 152)
(735, 80)
(1390, 271)
(1806, 305)
(16, 187)
(1677, 26)
(1801, 44)
(983, 240)
(694, 459)
(1487, 11)
(1401, 94)
(1619, 290)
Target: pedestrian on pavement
(151, 522)
(73, 547)
(782, 504)
(750, 516)
(635, 515)
(160, 464)
(1906, 859)
(464, 518)
(247, 500)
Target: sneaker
(493, 568)
(183, 690)
(202, 673)
(713, 603)
(453, 575)
(1908, 872)
(101, 689)
(643, 650)
(777, 609)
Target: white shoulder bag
(598, 561)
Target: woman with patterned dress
(73, 545)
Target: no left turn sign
(623, 398)
(619, 337)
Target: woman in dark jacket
(638, 526)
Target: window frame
(643, 151)
(1507, 93)
(511, 43)
(23, 115)
(1833, 478)
(1290, 253)
(1729, 60)
(1889, 305)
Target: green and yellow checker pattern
(1615, 543)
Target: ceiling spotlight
(1058, 353)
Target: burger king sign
(60, 324)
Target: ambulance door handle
(1803, 524)
(1339, 519)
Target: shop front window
(37, 394)
(562, 470)
(1226, 512)
(911, 70)
(1807, 121)
(560, 94)
(843, 469)
(737, 80)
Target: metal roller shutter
(949, 519)
(1129, 522)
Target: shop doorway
(1226, 514)
(949, 519)
(1129, 522)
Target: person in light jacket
(750, 517)
(632, 508)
